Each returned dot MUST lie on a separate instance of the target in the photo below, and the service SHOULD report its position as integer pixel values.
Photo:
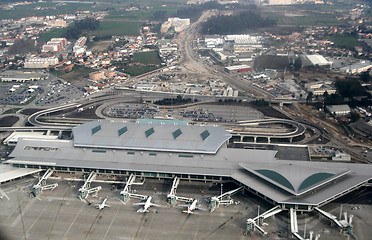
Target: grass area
(100, 46)
(138, 70)
(142, 14)
(46, 9)
(276, 43)
(117, 28)
(11, 111)
(53, 33)
(320, 19)
(77, 73)
(147, 58)
(344, 41)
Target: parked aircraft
(146, 205)
(102, 205)
(191, 207)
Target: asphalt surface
(59, 214)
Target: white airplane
(102, 205)
(191, 207)
(146, 205)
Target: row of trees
(174, 101)
(348, 92)
(234, 24)
(76, 29)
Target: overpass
(246, 135)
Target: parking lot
(18, 93)
(59, 93)
(200, 113)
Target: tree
(365, 77)
(297, 64)
(354, 116)
(159, 16)
(350, 88)
(309, 97)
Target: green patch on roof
(177, 133)
(314, 179)
(149, 132)
(123, 130)
(205, 134)
(98, 151)
(96, 129)
(276, 177)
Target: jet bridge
(128, 193)
(344, 224)
(85, 190)
(41, 185)
(294, 227)
(257, 222)
(172, 198)
(224, 199)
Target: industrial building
(20, 76)
(168, 149)
(178, 24)
(238, 68)
(40, 62)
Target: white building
(318, 60)
(178, 24)
(339, 110)
(40, 62)
(359, 67)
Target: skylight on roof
(96, 129)
(205, 134)
(149, 132)
(177, 133)
(123, 130)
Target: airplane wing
(154, 205)
(139, 203)
(107, 205)
(200, 208)
(183, 205)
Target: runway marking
(15, 208)
(221, 226)
(94, 221)
(55, 219)
(108, 229)
(2, 193)
(181, 227)
(24, 210)
(77, 215)
(197, 228)
(152, 218)
(140, 224)
(29, 229)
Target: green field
(147, 58)
(53, 33)
(344, 41)
(315, 20)
(118, 28)
(138, 70)
(141, 14)
(11, 111)
(49, 9)
(77, 73)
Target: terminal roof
(156, 136)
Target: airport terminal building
(169, 148)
